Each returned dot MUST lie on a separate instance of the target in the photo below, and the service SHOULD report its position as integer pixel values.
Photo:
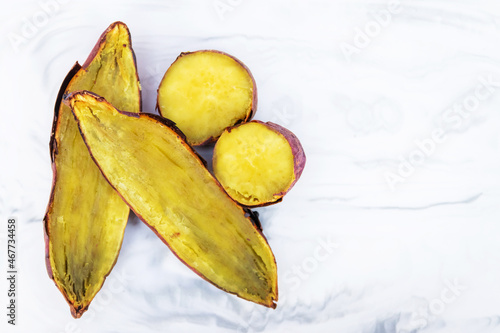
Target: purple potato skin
(53, 151)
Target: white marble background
(394, 225)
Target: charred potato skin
(250, 113)
(53, 152)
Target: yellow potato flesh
(86, 218)
(169, 188)
(204, 93)
(254, 163)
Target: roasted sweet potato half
(86, 218)
(258, 163)
(149, 163)
(205, 92)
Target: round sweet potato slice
(204, 92)
(258, 163)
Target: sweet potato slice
(205, 92)
(86, 218)
(258, 163)
(149, 163)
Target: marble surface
(394, 225)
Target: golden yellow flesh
(169, 188)
(204, 93)
(253, 163)
(86, 219)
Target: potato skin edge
(53, 152)
(299, 156)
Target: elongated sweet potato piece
(86, 218)
(149, 163)
(258, 163)
(204, 92)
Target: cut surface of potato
(257, 163)
(149, 163)
(205, 92)
(85, 218)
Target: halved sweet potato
(205, 92)
(258, 163)
(149, 163)
(86, 218)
